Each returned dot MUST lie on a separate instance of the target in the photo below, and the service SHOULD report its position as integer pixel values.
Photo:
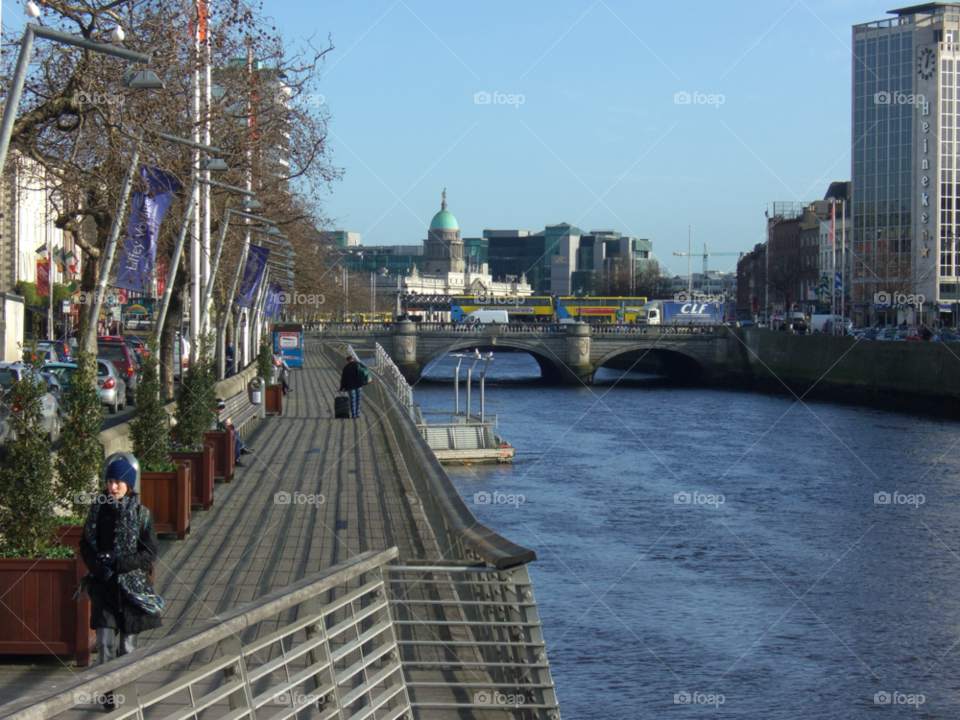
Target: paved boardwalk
(251, 542)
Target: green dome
(444, 220)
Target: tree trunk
(168, 336)
(89, 275)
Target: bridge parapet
(568, 352)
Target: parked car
(884, 334)
(51, 413)
(747, 324)
(113, 388)
(125, 360)
(61, 349)
(945, 336)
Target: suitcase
(341, 406)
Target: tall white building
(905, 159)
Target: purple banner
(140, 247)
(252, 275)
(272, 307)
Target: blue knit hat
(121, 469)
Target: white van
(487, 316)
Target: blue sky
(598, 140)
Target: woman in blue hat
(119, 547)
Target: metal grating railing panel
(325, 647)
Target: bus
(532, 309)
(599, 309)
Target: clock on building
(926, 63)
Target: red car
(124, 359)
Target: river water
(785, 584)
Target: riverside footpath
(318, 494)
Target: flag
(272, 305)
(163, 265)
(198, 27)
(252, 275)
(833, 221)
(838, 284)
(140, 247)
(43, 278)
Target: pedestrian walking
(283, 371)
(354, 376)
(119, 547)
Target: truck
(482, 317)
(669, 312)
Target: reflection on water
(800, 594)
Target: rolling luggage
(341, 406)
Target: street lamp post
(23, 61)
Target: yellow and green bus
(600, 309)
(519, 309)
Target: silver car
(113, 390)
(51, 413)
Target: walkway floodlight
(214, 164)
(141, 80)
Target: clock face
(926, 63)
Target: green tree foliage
(27, 497)
(80, 458)
(265, 359)
(196, 411)
(150, 429)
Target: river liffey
(708, 553)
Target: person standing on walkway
(352, 382)
(119, 547)
(283, 372)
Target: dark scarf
(132, 518)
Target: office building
(905, 160)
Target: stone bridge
(566, 353)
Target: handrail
(227, 628)
(386, 367)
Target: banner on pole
(272, 306)
(43, 278)
(140, 247)
(252, 275)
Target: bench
(241, 414)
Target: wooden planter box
(38, 615)
(273, 400)
(167, 495)
(223, 451)
(201, 474)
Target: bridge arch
(674, 361)
(551, 369)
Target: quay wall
(460, 536)
(903, 376)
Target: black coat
(350, 377)
(109, 605)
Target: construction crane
(706, 257)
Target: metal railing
(653, 329)
(480, 625)
(325, 645)
(385, 367)
(521, 328)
